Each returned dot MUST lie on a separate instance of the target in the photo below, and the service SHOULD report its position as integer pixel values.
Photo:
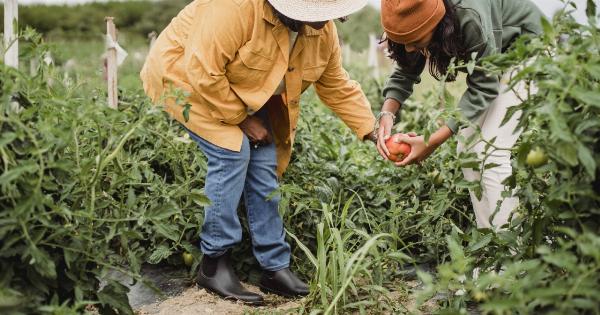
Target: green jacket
(488, 27)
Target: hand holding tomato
(397, 149)
(419, 149)
(383, 135)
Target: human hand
(255, 130)
(386, 122)
(419, 150)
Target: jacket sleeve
(401, 83)
(482, 88)
(217, 34)
(343, 95)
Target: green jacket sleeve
(400, 84)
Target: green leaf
(199, 198)
(548, 28)
(162, 212)
(168, 231)
(42, 262)
(490, 166)
(561, 259)
(486, 239)
(26, 168)
(586, 158)
(569, 153)
(10, 299)
(186, 112)
(586, 96)
(113, 297)
(590, 9)
(399, 256)
(160, 253)
(7, 137)
(131, 198)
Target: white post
(11, 28)
(347, 53)
(373, 55)
(111, 64)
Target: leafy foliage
(86, 190)
(547, 261)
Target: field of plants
(87, 191)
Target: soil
(182, 296)
(197, 301)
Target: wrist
(372, 136)
(385, 113)
(440, 136)
(391, 105)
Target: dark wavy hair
(290, 23)
(446, 43)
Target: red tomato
(398, 151)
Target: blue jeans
(251, 173)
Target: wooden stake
(11, 27)
(111, 64)
(347, 53)
(373, 55)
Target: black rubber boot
(216, 275)
(283, 282)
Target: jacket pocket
(255, 61)
(248, 68)
(313, 73)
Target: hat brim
(317, 11)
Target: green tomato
(536, 157)
(188, 259)
(436, 178)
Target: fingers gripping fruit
(398, 150)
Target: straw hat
(317, 10)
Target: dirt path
(183, 297)
(197, 301)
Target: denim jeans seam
(250, 220)
(216, 213)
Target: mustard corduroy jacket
(227, 58)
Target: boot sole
(230, 298)
(266, 290)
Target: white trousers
(503, 137)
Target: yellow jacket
(229, 56)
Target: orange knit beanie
(408, 21)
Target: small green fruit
(536, 157)
(436, 178)
(188, 259)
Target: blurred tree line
(137, 17)
(143, 17)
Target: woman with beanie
(435, 32)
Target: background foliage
(139, 18)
